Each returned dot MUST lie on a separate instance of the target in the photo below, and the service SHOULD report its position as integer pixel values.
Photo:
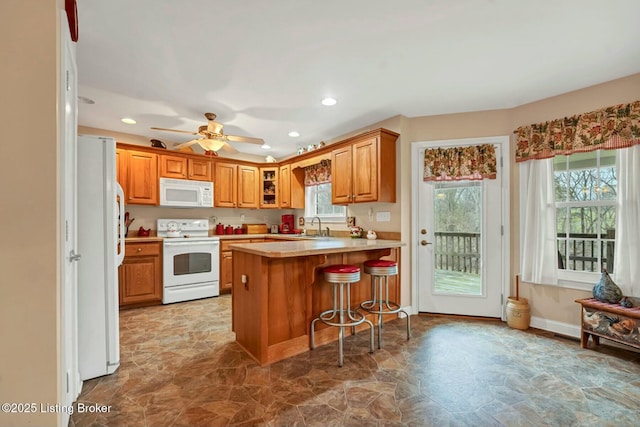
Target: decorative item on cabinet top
(156, 143)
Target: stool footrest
(391, 307)
(356, 318)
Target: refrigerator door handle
(121, 228)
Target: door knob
(424, 243)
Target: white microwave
(184, 193)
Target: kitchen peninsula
(278, 288)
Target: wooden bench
(611, 321)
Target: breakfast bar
(277, 291)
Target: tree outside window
(585, 194)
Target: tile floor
(181, 367)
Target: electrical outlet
(241, 218)
(383, 216)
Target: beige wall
(29, 257)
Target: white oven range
(190, 261)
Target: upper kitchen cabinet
(236, 185)
(248, 186)
(291, 187)
(182, 167)
(121, 168)
(284, 173)
(269, 188)
(363, 169)
(142, 177)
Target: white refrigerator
(101, 247)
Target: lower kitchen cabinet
(226, 262)
(140, 275)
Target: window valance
(608, 128)
(317, 174)
(460, 163)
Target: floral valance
(608, 128)
(317, 174)
(460, 163)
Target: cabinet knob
(139, 249)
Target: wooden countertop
(303, 247)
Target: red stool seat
(380, 263)
(341, 269)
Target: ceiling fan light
(211, 144)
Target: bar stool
(380, 304)
(341, 276)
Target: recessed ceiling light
(128, 121)
(329, 102)
(265, 146)
(85, 100)
(293, 134)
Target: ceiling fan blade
(175, 130)
(229, 148)
(246, 139)
(186, 144)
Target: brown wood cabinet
(291, 187)
(142, 178)
(248, 186)
(226, 262)
(269, 188)
(365, 169)
(181, 167)
(284, 174)
(236, 185)
(121, 168)
(225, 184)
(140, 275)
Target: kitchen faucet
(319, 225)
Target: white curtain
(626, 266)
(539, 248)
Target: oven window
(192, 263)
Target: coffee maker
(287, 224)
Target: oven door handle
(199, 243)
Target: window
(585, 187)
(318, 203)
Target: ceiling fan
(212, 138)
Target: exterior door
(460, 246)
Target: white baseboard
(407, 308)
(561, 328)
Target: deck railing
(456, 251)
(583, 251)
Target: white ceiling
(264, 66)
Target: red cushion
(380, 263)
(341, 268)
